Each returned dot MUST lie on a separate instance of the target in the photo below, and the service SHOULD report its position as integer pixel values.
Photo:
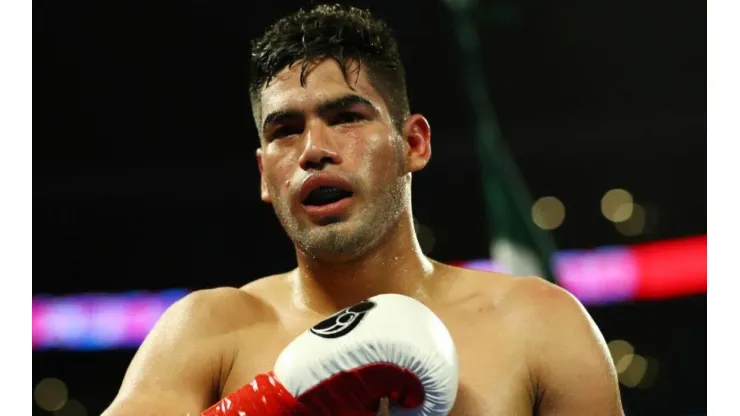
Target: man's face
(331, 162)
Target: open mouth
(325, 195)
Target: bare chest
(493, 377)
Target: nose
(319, 149)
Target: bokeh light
(619, 348)
(635, 224)
(72, 408)
(633, 373)
(623, 363)
(633, 370)
(617, 205)
(548, 213)
(50, 394)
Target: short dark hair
(348, 35)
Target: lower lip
(328, 210)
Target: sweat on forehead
(324, 81)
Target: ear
(264, 193)
(418, 136)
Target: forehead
(323, 81)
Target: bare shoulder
(543, 308)
(568, 362)
(488, 288)
(553, 316)
(534, 297)
(567, 355)
(218, 309)
(520, 295)
(200, 324)
(193, 336)
(271, 291)
(229, 308)
(547, 309)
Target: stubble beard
(349, 239)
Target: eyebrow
(332, 105)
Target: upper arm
(573, 370)
(177, 368)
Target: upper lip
(317, 180)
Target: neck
(396, 265)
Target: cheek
(379, 159)
(354, 145)
(382, 155)
(278, 170)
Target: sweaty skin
(525, 346)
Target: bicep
(575, 373)
(175, 370)
(579, 380)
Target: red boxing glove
(388, 346)
(262, 396)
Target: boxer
(365, 314)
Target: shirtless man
(338, 147)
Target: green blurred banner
(516, 242)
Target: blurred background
(568, 136)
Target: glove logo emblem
(342, 322)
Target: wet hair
(351, 36)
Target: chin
(335, 242)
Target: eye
(285, 131)
(347, 117)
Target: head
(329, 100)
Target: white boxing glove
(388, 337)
(387, 346)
